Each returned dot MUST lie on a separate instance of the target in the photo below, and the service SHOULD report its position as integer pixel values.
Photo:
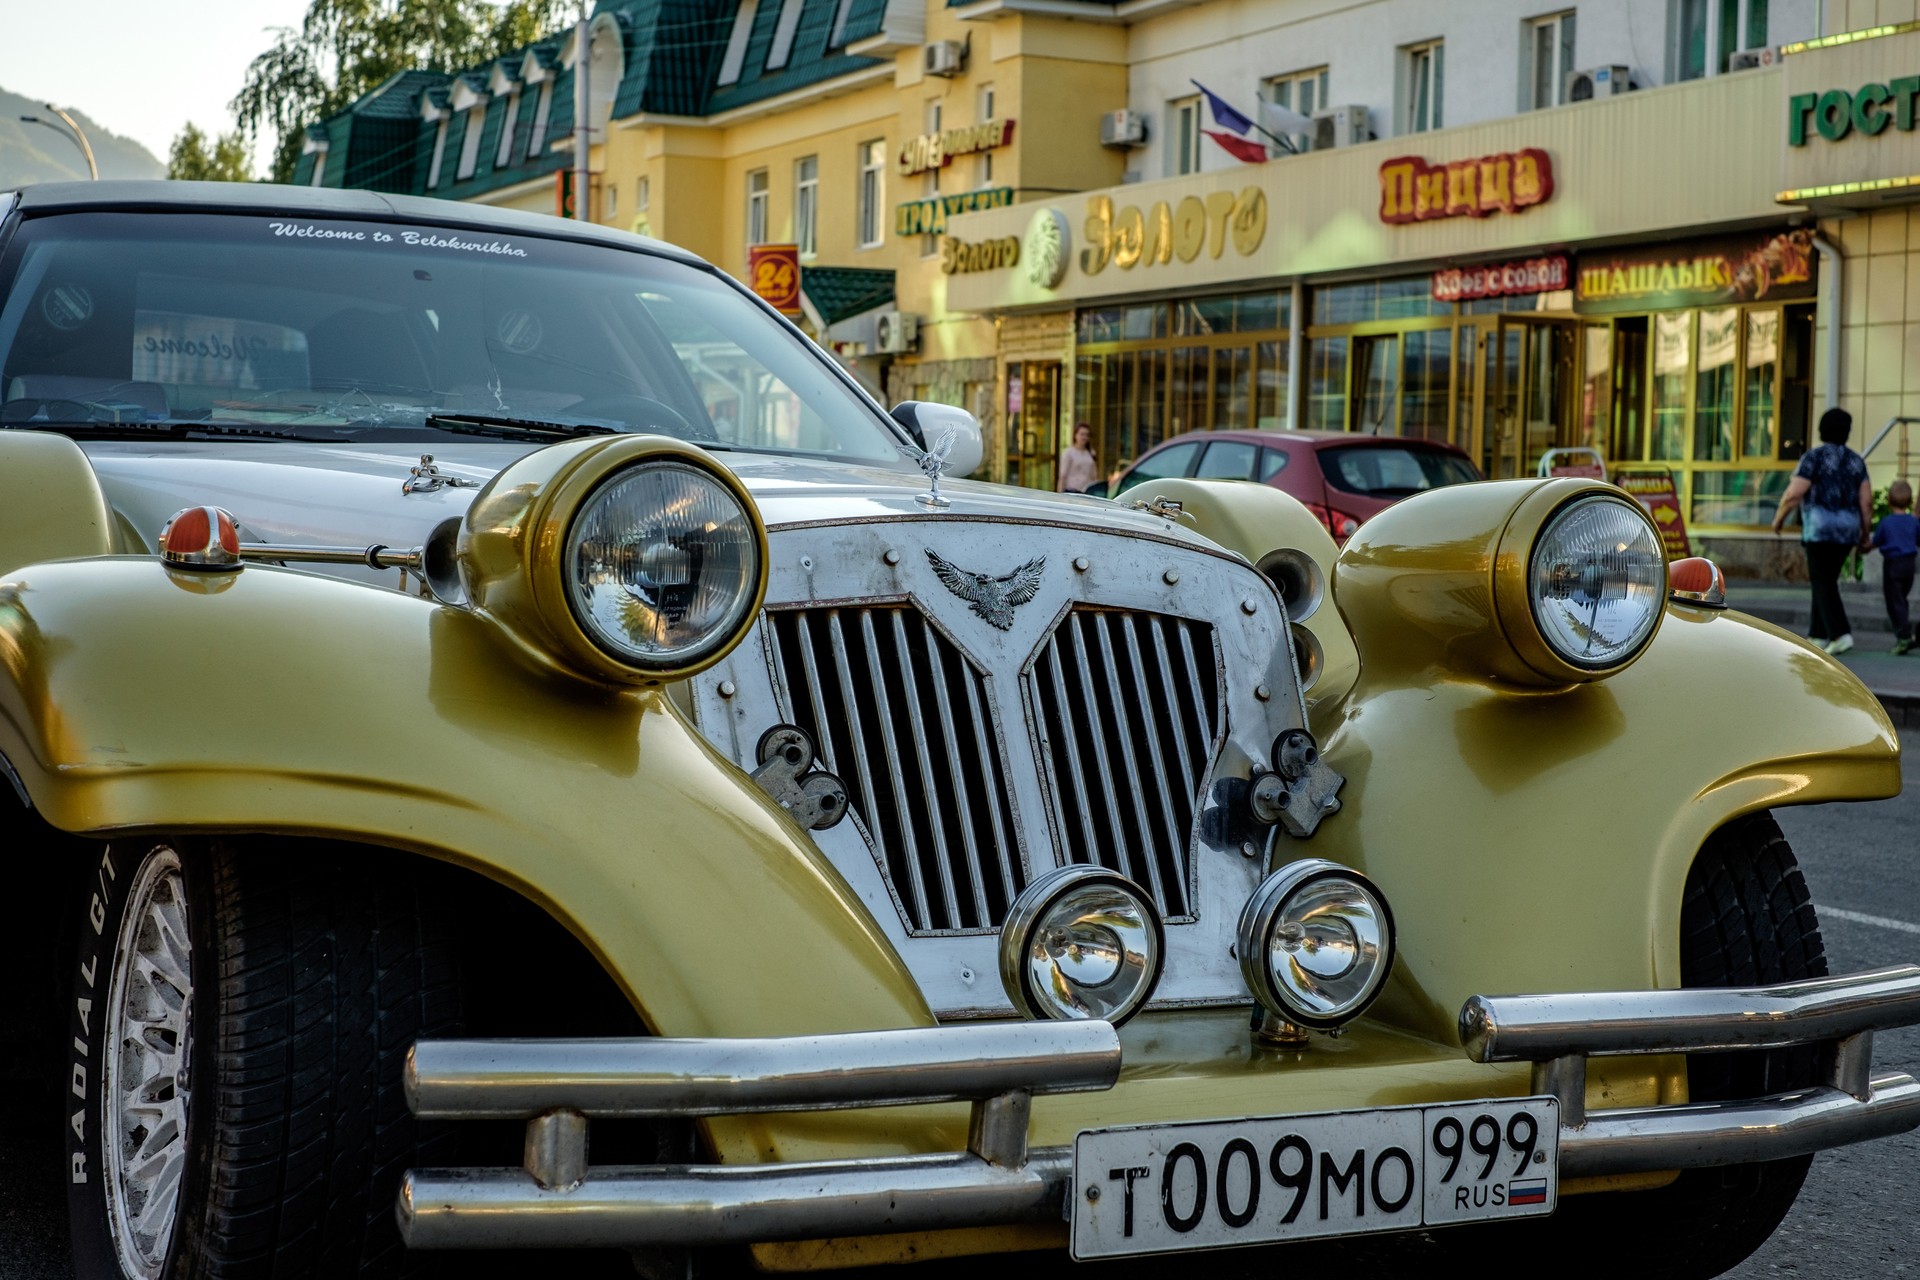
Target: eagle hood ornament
(992, 598)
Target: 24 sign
(773, 273)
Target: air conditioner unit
(1123, 129)
(1749, 59)
(1340, 127)
(1598, 82)
(895, 331)
(944, 58)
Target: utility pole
(582, 116)
(86, 148)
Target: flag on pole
(1232, 130)
(1279, 119)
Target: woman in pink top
(1077, 465)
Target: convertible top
(315, 202)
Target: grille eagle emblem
(992, 598)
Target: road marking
(1861, 917)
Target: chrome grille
(1127, 708)
(907, 721)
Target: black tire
(311, 972)
(1746, 920)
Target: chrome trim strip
(1692, 1020)
(648, 1077)
(1077, 772)
(1134, 782)
(916, 882)
(1005, 850)
(1700, 1135)
(962, 798)
(1177, 840)
(715, 1204)
(923, 752)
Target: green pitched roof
(840, 293)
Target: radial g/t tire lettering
(240, 1016)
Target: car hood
(351, 495)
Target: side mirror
(928, 424)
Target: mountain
(35, 153)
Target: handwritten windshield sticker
(417, 239)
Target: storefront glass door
(1033, 426)
(1539, 398)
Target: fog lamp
(1081, 942)
(1316, 943)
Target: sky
(139, 68)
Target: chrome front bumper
(555, 1199)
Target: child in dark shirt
(1895, 538)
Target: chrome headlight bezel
(515, 538)
(1032, 910)
(1266, 910)
(1655, 591)
(1534, 656)
(737, 614)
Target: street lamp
(86, 149)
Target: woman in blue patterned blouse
(1835, 498)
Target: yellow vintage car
(471, 684)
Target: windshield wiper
(506, 427)
(165, 428)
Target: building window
(439, 154)
(736, 55)
(1183, 136)
(1547, 51)
(757, 207)
(783, 32)
(806, 204)
(873, 190)
(986, 114)
(470, 145)
(319, 178)
(1301, 91)
(841, 16)
(537, 140)
(613, 201)
(1707, 33)
(504, 155)
(1422, 86)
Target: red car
(1342, 477)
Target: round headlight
(1597, 582)
(1081, 942)
(662, 563)
(1316, 943)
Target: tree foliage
(344, 48)
(190, 160)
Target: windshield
(365, 331)
(1392, 471)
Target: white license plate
(1219, 1183)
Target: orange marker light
(1697, 581)
(201, 539)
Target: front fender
(133, 697)
(1536, 839)
(1540, 841)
